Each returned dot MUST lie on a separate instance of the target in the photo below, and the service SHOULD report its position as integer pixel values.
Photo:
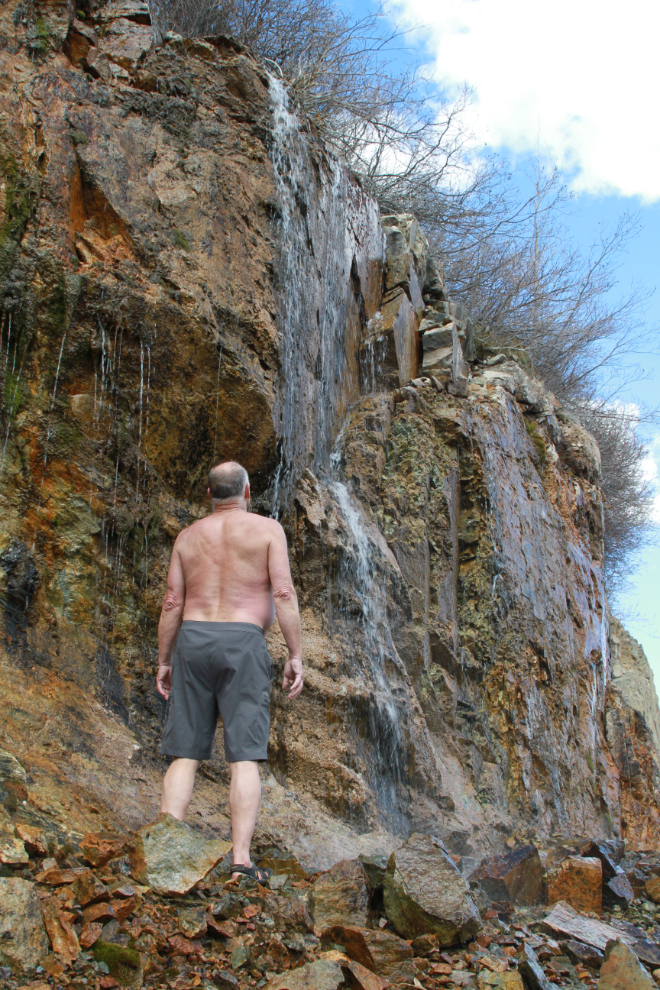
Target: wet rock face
(187, 275)
(490, 654)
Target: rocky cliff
(187, 276)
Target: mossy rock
(179, 240)
(536, 437)
(124, 964)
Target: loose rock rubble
(159, 909)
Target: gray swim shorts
(219, 667)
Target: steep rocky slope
(187, 275)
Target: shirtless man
(228, 578)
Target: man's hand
(164, 680)
(293, 677)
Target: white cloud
(580, 77)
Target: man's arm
(170, 621)
(286, 608)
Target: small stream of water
(328, 232)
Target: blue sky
(577, 79)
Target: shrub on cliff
(628, 494)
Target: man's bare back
(230, 563)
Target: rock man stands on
(228, 578)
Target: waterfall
(331, 243)
(363, 571)
(329, 289)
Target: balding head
(227, 482)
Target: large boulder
(341, 896)
(579, 882)
(622, 970)
(425, 893)
(516, 877)
(23, 938)
(171, 858)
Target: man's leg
(244, 797)
(178, 785)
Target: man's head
(228, 484)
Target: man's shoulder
(264, 523)
(195, 531)
(191, 527)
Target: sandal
(257, 873)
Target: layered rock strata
(187, 275)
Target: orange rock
(579, 882)
(381, 952)
(123, 908)
(99, 848)
(60, 931)
(88, 889)
(90, 933)
(341, 895)
(182, 946)
(440, 969)
(33, 838)
(361, 978)
(622, 970)
(65, 895)
(98, 912)
(52, 966)
(494, 965)
(652, 889)
(55, 876)
(226, 929)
